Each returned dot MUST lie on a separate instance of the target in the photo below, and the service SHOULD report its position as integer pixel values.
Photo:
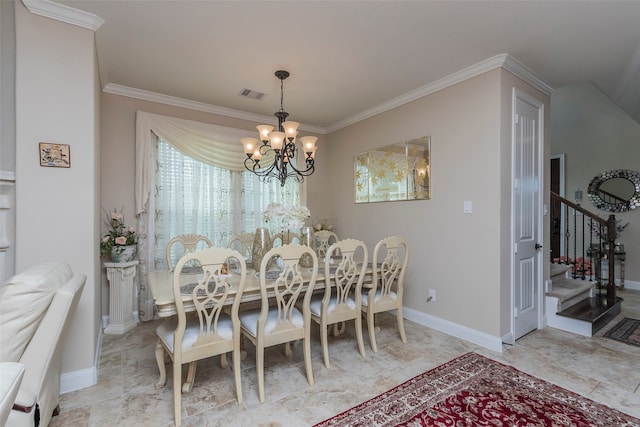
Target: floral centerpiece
(118, 237)
(289, 219)
(323, 224)
(600, 231)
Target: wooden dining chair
(184, 244)
(342, 298)
(208, 332)
(281, 322)
(387, 284)
(324, 239)
(242, 242)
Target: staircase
(574, 305)
(578, 297)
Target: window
(193, 197)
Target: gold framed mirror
(395, 172)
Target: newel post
(611, 255)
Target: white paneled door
(527, 188)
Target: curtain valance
(215, 145)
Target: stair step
(565, 289)
(596, 310)
(559, 270)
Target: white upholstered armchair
(35, 310)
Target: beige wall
(596, 136)
(451, 252)
(464, 257)
(7, 87)
(7, 139)
(56, 208)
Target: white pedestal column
(121, 277)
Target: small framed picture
(55, 155)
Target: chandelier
(276, 156)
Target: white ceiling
(347, 57)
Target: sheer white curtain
(215, 145)
(191, 197)
(195, 197)
(190, 178)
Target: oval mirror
(615, 191)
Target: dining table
(161, 287)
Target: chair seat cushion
(24, 299)
(249, 320)
(376, 298)
(166, 331)
(316, 304)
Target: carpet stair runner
(573, 305)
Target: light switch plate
(468, 207)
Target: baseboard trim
(468, 334)
(76, 380)
(508, 339)
(631, 284)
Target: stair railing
(610, 198)
(592, 239)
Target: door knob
(538, 246)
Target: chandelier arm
(302, 172)
(253, 166)
(264, 149)
(310, 166)
(277, 169)
(309, 162)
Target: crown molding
(63, 13)
(504, 60)
(198, 106)
(525, 73)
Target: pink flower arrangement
(118, 234)
(579, 267)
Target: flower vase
(307, 238)
(285, 237)
(123, 253)
(261, 245)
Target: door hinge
(515, 312)
(515, 248)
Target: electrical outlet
(432, 295)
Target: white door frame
(519, 94)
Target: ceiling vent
(252, 94)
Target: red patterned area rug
(627, 331)
(473, 390)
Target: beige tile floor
(602, 369)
